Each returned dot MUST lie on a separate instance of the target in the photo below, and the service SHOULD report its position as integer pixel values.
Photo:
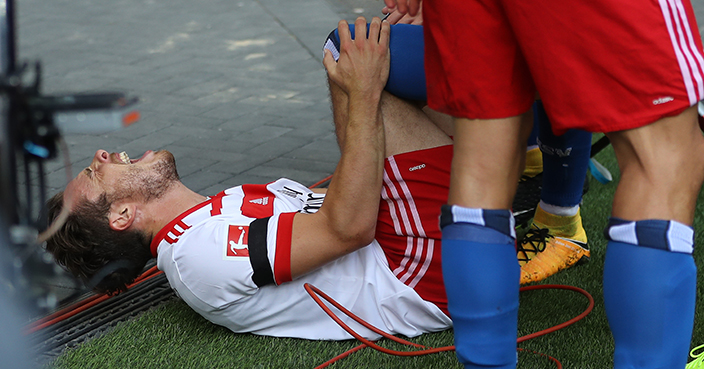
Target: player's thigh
(474, 66)
(489, 157)
(607, 65)
(408, 128)
(662, 169)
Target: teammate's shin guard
(565, 161)
(481, 275)
(650, 292)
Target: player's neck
(158, 213)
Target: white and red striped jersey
(228, 258)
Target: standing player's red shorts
(598, 65)
(415, 186)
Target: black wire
(599, 145)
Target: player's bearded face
(146, 183)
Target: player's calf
(650, 292)
(481, 281)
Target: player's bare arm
(347, 219)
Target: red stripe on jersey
(282, 260)
(217, 204)
(258, 201)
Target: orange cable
(312, 291)
(316, 184)
(85, 304)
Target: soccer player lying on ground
(240, 258)
(406, 229)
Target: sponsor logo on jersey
(421, 166)
(662, 100)
(290, 192)
(237, 242)
(260, 201)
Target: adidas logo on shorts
(663, 100)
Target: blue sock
(565, 161)
(481, 277)
(407, 73)
(649, 292)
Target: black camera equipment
(31, 125)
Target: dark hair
(86, 244)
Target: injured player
(240, 258)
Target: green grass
(172, 336)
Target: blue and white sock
(481, 275)
(649, 292)
(406, 73)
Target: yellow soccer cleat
(553, 243)
(557, 254)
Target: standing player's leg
(476, 73)
(652, 71)
(649, 272)
(556, 239)
(478, 239)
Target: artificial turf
(173, 336)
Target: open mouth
(125, 159)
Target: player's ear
(122, 215)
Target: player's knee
(686, 162)
(667, 160)
(698, 156)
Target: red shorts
(598, 65)
(415, 187)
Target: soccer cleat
(554, 254)
(533, 242)
(553, 243)
(698, 362)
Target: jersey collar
(215, 200)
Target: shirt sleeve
(270, 249)
(212, 262)
(221, 262)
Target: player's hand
(396, 17)
(363, 66)
(404, 6)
